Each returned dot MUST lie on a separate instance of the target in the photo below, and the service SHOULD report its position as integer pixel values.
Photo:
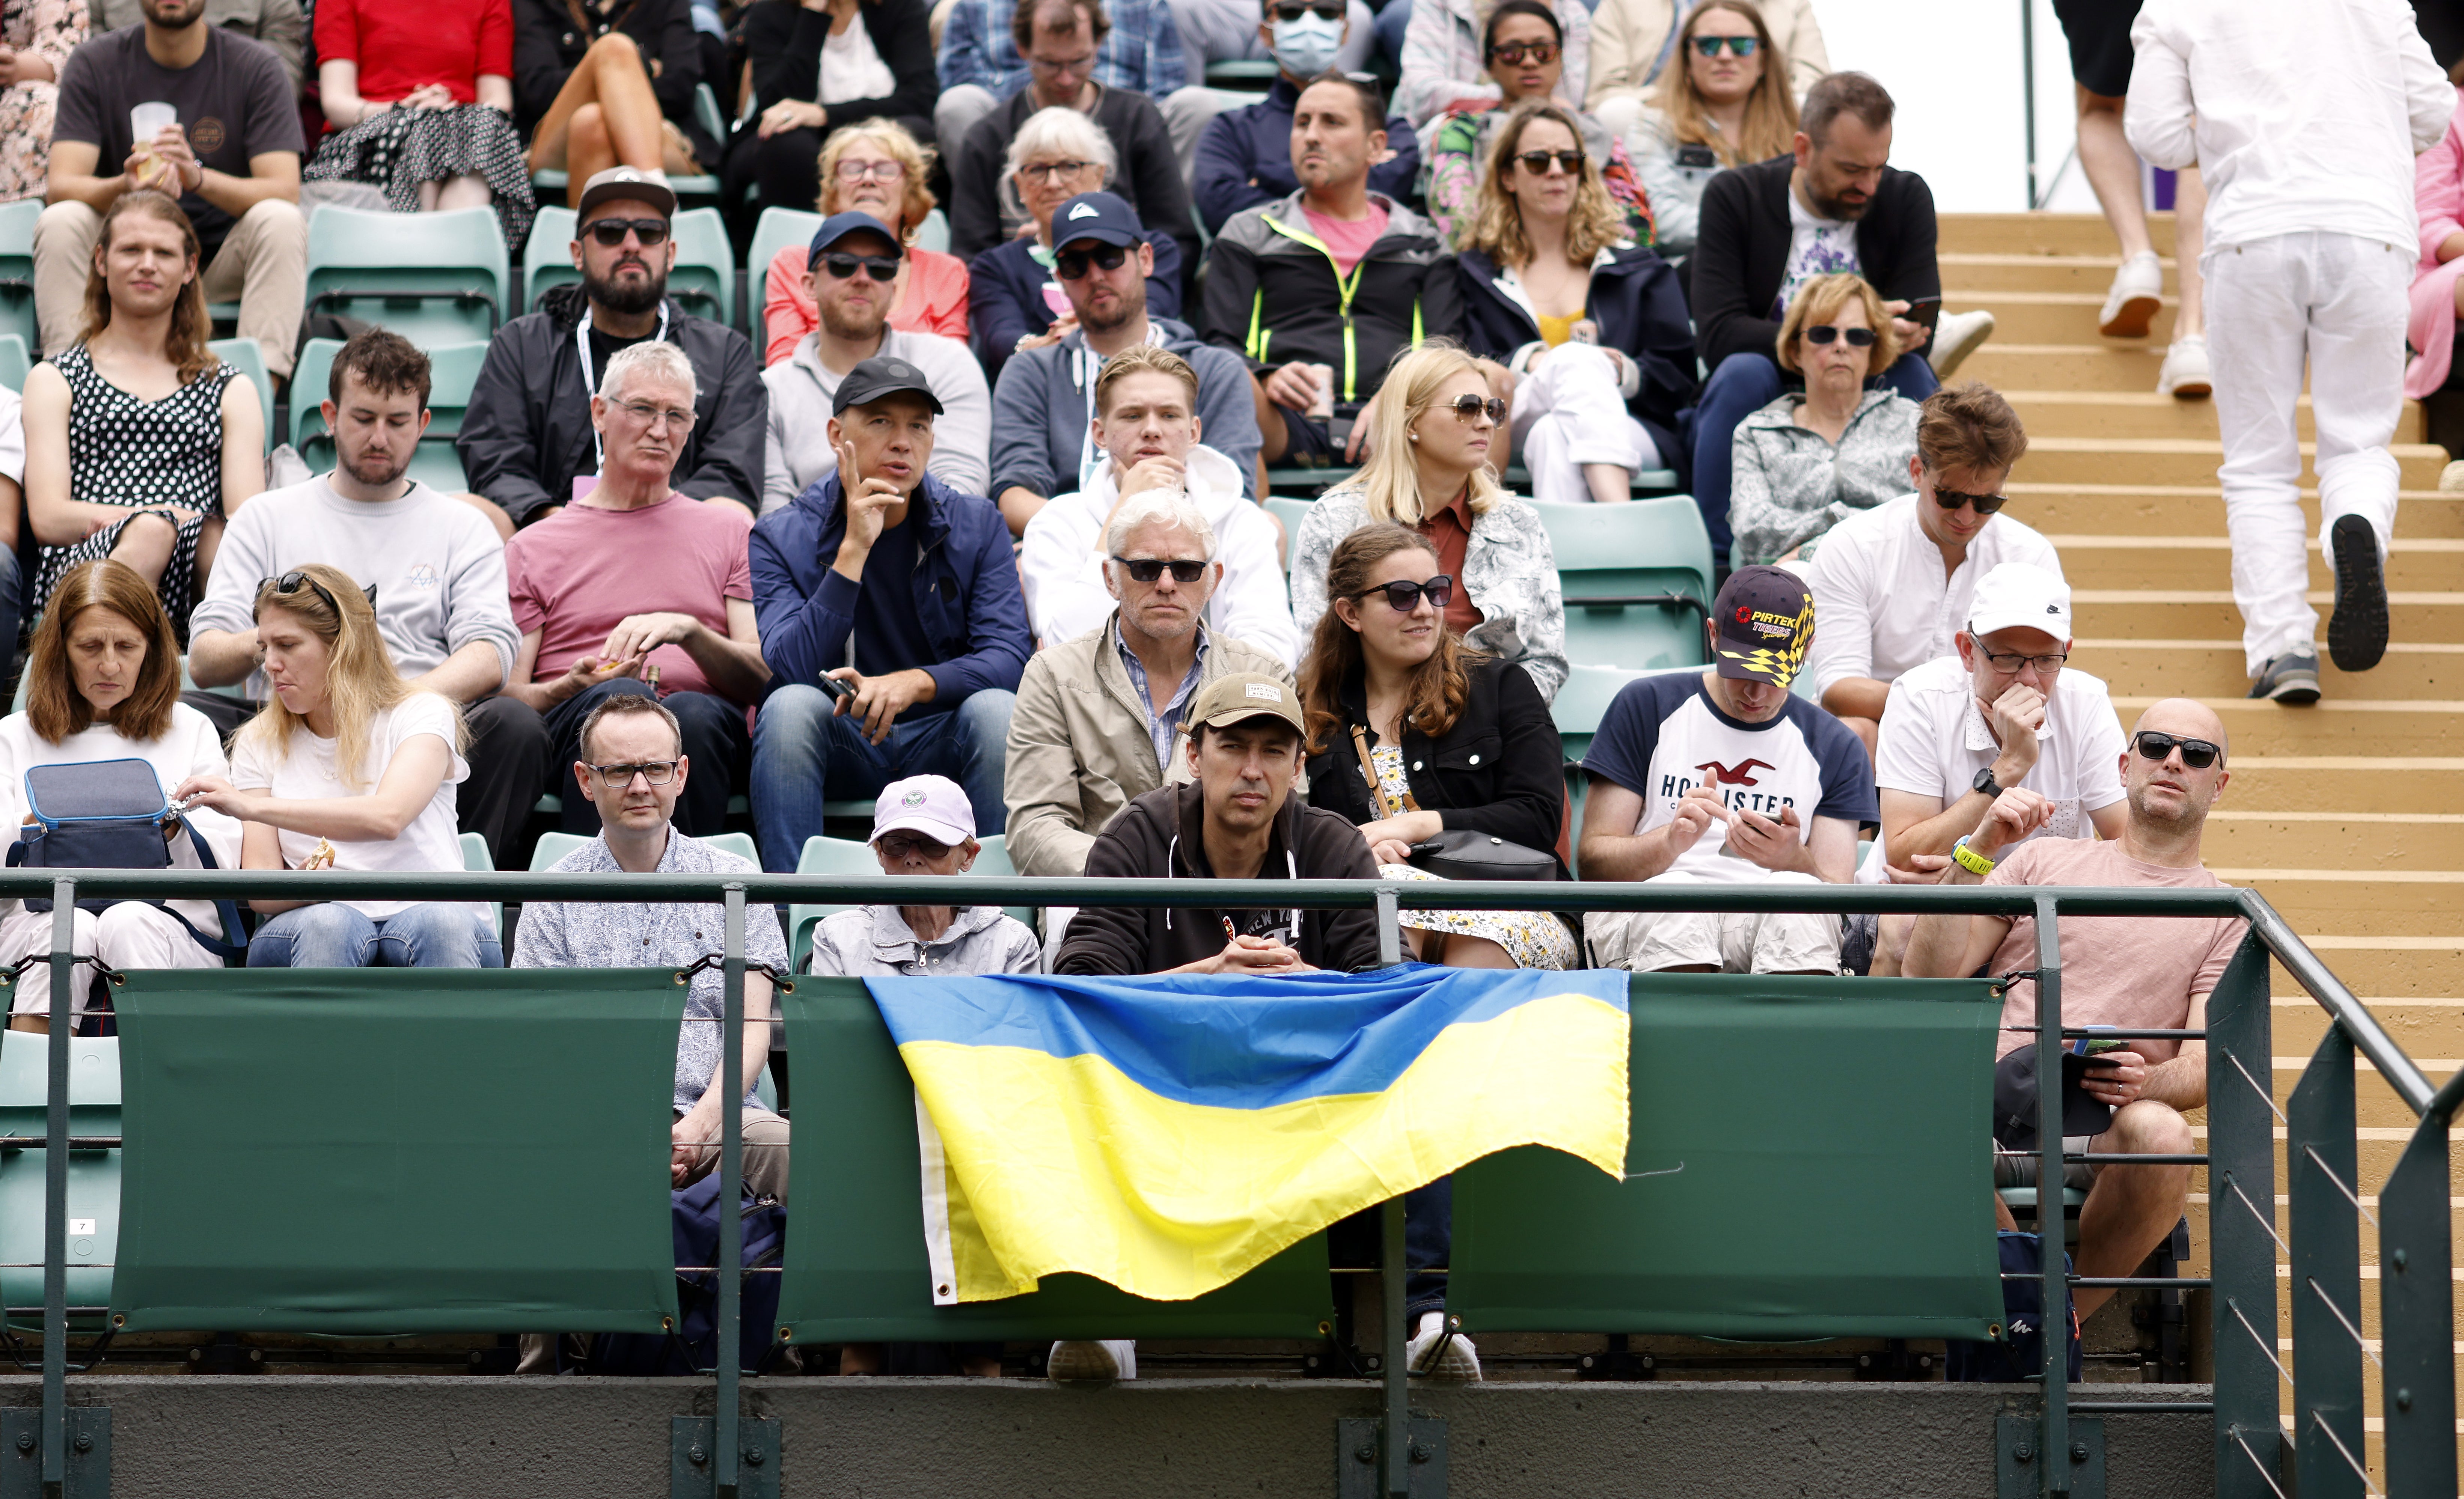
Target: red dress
(402, 45)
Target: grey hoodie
(1040, 408)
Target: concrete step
(2144, 666)
(2182, 461)
(2429, 1029)
(2186, 614)
(2412, 967)
(2332, 727)
(2171, 510)
(2414, 563)
(2403, 840)
(2329, 784)
(1993, 271)
(2107, 365)
(2406, 902)
(2144, 413)
(2046, 317)
(2047, 234)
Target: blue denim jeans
(1742, 385)
(802, 755)
(432, 934)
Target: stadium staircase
(2348, 815)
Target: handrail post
(2319, 1168)
(1398, 1394)
(1390, 927)
(2028, 91)
(2417, 1307)
(56, 1196)
(2053, 1321)
(730, 1199)
(2242, 1214)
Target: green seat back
(248, 356)
(547, 258)
(859, 1272)
(823, 857)
(17, 270)
(1577, 708)
(1292, 513)
(94, 1174)
(934, 233)
(1811, 1157)
(553, 847)
(379, 1150)
(1642, 548)
(433, 278)
(16, 362)
(777, 230)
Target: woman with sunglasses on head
(1412, 734)
(1592, 324)
(347, 766)
(820, 65)
(1429, 468)
(1723, 103)
(874, 168)
(1810, 459)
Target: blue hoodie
(964, 594)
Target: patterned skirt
(399, 150)
(1533, 938)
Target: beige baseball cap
(1227, 700)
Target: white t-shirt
(188, 747)
(851, 67)
(1935, 740)
(12, 435)
(1817, 246)
(1882, 604)
(306, 770)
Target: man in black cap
(1727, 778)
(891, 621)
(526, 437)
(852, 273)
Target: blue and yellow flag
(1168, 1134)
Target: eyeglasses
(1052, 171)
(1740, 46)
(655, 416)
(611, 232)
(1514, 54)
(2197, 754)
(1147, 569)
(899, 845)
(294, 581)
(841, 265)
(1064, 67)
(1332, 10)
(617, 778)
(851, 170)
(2009, 662)
(1825, 333)
(1952, 499)
(1071, 264)
(1405, 597)
(1469, 407)
(1536, 163)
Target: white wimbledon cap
(2020, 594)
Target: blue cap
(839, 225)
(1098, 216)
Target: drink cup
(145, 122)
(1323, 408)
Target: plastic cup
(145, 122)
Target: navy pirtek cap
(1099, 216)
(880, 376)
(1765, 619)
(839, 225)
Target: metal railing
(2325, 1445)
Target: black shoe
(2357, 631)
(2291, 678)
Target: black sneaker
(2291, 678)
(2357, 631)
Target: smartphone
(1925, 311)
(838, 688)
(1697, 157)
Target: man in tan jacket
(1632, 42)
(1099, 718)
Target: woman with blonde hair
(874, 168)
(1429, 468)
(102, 682)
(347, 766)
(1725, 104)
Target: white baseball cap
(2020, 595)
(933, 805)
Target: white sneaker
(2137, 292)
(2184, 374)
(1957, 336)
(1435, 1352)
(1092, 1362)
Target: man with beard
(435, 567)
(851, 272)
(1041, 443)
(527, 440)
(232, 157)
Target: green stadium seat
(775, 230)
(1644, 550)
(433, 278)
(1517, 481)
(934, 233)
(476, 859)
(547, 258)
(94, 1174)
(248, 356)
(823, 857)
(859, 1274)
(453, 371)
(553, 847)
(15, 361)
(1292, 513)
(17, 271)
(1580, 703)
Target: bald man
(2131, 972)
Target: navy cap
(1099, 216)
(879, 376)
(839, 225)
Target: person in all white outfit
(1146, 426)
(102, 682)
(2304, 120)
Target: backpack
(110, 814)
(694, 1347)
(2020, 1354)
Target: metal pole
(730, 1197)
(1390, 929)
(2417, 1307)
(2028, 89)
(56, 1197)
(1398, 1397)
(2054, 1321)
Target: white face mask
(1305, 48)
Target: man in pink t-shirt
(635, 588)
(2129, 972)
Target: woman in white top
(349, 767)
(102, 682)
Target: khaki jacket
(1079, 750)
(1628, 35)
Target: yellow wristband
(1968, 859)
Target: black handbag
(1457, 853)
(111, 814)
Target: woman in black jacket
(601, 83)
(818, 64)
(1411, 734)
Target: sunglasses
(1467, 407)
(841, 265)
(1825, 333)
(1514, 54)
(1331, 12)
(611, 232)
(1405, 597)
(899, 845)
(1952, 499)
(294, 581)
(616, 778)
(1536, 163)
(1740, 46)
(1071, 264)
(2197, 754)
(1147, 569)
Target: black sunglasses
(1952, 499)
(1536, 163)
(294, 581)
(1330, 10)
(1404, 597)
(1512, 53)
(2197, 754)
(1742, 46)
(1825, 333)
(1147, 569)
(611, 232)
(841, 265)
(1071, 264)
(1468, 407)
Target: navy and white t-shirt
(1662, 737)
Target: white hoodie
(1061, 560)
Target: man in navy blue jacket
(903, 596)
(1244, 159)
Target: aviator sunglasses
(1740, 46)
(1466, 408)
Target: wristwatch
(1986, 782)
(1968, 859)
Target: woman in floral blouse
(35, 39)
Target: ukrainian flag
(1168, 1134)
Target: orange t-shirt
(935, 301)
(1449, 530)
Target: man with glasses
(637, 590)
(1244, 157)
(2132, 973)
(528, 442)
(851, 272)
(1895, 583)
(984, 58)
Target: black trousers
(717, 742)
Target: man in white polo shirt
(2003, 711)
(1893, 585)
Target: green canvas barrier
(855, 1264)
(379, 1150)
(1809, 1158)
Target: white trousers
(2338, 302)
(1567, 413)
(127, 935)
(1776, 942)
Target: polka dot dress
(401, 149)
(142, 454)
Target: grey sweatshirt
(802, 387)
(1040, 412)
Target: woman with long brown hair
(1724, 101)
(139, 440)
